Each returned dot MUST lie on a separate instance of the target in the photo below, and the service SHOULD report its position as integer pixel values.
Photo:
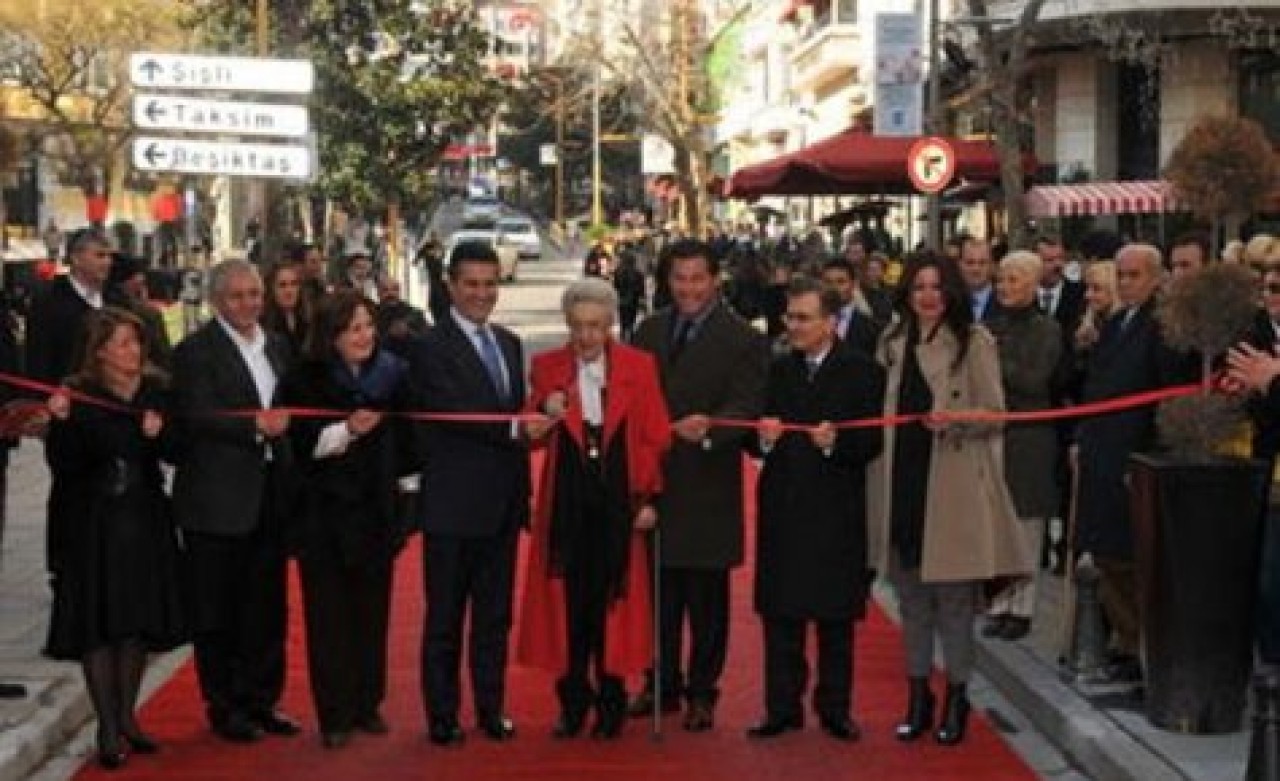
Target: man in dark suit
(811, 536)
(713, 365)
(1059, 297)
(1130, 357)
(978, 269)
(856, 327)
(474, 497)
(55, 324)
(227, 498)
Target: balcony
(828, 44)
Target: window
(1260, 91)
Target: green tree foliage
(396, 82)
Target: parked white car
(521, 232)
(481, 207)
(508, 255)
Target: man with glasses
(58, 313)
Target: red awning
(856, 162)
(1072, 200)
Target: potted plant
(1197, 521)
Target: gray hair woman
(586, 613)
(1029, 344)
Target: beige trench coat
(971, 530)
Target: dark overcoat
(721, 373)
(811, 540)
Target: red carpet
(175, 716)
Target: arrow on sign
(155, 111)
(154, 153)
(151, 69)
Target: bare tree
(1004, 54)
(663, 68)
(71, 58)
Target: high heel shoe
(920, 703)
(955, 715)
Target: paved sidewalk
(1105, 733)
(56, 705)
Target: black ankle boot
(955, 715)
(919, 718)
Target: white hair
(590, 291)
(1024, 261)
(1152, 254)
(219, 274)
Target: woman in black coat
(111, 543)
(350, 526)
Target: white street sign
(289, 161)
(228, 74)
(163, 112)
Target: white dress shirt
(91, 297)
(591, 384)
(253, 352)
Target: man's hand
(693, 428)
(1251, 368)
(823, 436)
(271, 423)
(646, 518)
(152, 423)
(770, 431)
(362, 421)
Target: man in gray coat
(713, 365)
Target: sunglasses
(1272, 288)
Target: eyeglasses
(800, 317)
(1272, 288)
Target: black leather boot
(955, 715)
(919, 718)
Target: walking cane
(1066, 629)
(655, 732)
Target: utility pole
(559, 181)
(597, 167)
(934, 201)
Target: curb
(59, 708)
(1099, 746)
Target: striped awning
(1074, 200)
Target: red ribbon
(1107, 406)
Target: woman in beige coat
(940, 519)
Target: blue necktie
(492, 361)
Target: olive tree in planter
(1224, 169)
(1197, 522)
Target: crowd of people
(285, 420)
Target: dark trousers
(460, 572)
(240, 613)
(701, 595)
(1118, 592)
(347, 610)
(586, 585)
(786, 673)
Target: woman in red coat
(586, 613)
